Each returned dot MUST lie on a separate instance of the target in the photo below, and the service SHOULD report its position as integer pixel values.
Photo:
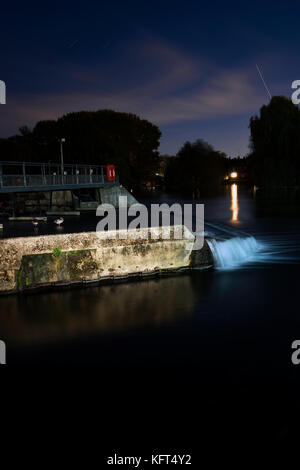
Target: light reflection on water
(52, 316)
(152, 304)
(245, 244)
(234, 203)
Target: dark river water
(232, 326)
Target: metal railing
(21, 175)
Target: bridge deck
(19, 177)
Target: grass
(57, 252)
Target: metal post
(44, 173)
(14, 204)
(62, 162)
(102, 175)
(1, 179)
(62, 159)
(24, 175)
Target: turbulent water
(234, 249)
(234, 252)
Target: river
(233, 325)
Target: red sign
(110, 173)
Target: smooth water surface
(233, 325)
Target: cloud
(164, 84)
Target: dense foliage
(98, 137)
(197, 168)
(275, 144)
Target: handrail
(69, 165)
(51, 175)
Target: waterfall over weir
(233, 252)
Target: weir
(82, 258)
(90, 257)
(231, 253)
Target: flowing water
(233, 325)
(234, 252)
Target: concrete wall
(41, 200)
(111, 196)
(64, 200)
(70, 258)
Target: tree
(196, 168)
(275, 144)
(92, 137)
(102, 137)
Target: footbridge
(22, 177)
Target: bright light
(233, 174)
(234, 203)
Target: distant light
(234, 203)
(233, 174)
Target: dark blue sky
(187, 66)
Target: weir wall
(53, 260)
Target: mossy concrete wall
(68, 258)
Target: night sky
(188, 67)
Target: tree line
(91, 137)
(274, 160)
(131, 143)
(197, 168)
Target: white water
(234, 252)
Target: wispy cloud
(164, 84)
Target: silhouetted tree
(196, 168)
(275, 144)
(97, 137)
